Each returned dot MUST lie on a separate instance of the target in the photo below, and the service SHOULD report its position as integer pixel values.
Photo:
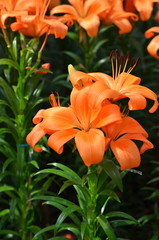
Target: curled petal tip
(71, 69)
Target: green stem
(92, 185)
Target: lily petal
(58, 139)
(136, 136)
(34, 136)
(90, 24)
(39, 116)
(126, 153)
(91, 146)
(59, 118)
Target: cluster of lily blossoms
(93, 118)
(31, 19)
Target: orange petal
(80, 79)
(137, 102)
(126, 153)
(5, 15)
(124, 126)
(124, 25)
(137, 136)
(153, 47)
(150, 32)
(57, 28)
(90, 24)
(59, 118)
(58, 139)
(144, 7)
(38, 117)
(109, 113)
(124, 80)
(81, 108)
(34, 136)
(104, 78)
(64, 9)
(99, 92)
(143, 91)
(91, 146)
(95, 6)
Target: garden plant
(79, 119)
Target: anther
(132, 62)
(121, 61)
(127, 56)
(111, 55)
(137, 61)
(116, 54)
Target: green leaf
(10, 96)
(68, 171)
(99, 44)
(34, 163)
(62, 208)
(4, 232)
(65, 185)
(46, 229)
(4, 212)
(118, 223)
(111, 169)
(6, 188)
(66, 213)
(9, 62)
(14, 47)
(74, 56)
(121, 214)
(107, 227)
(110, 193)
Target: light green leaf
(68, 171)
(107, 227)
(6, 188)
(121, 214)
(66, 213)
(9, 62)
(4, 212)
(14, 47)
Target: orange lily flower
(144, 7)
(38, 132)
(153, 46)
(119, 136)
(116, 15)
(37, 24)
(84, 12)
(14, 8)
(121, 85)
(77, 121)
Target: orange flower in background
(14, 8)
(84, 12)
(117, 16)
(153, 46)
(121, 85)
(144, 7)
(37, 24)
(119, 136)
(77, 121)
